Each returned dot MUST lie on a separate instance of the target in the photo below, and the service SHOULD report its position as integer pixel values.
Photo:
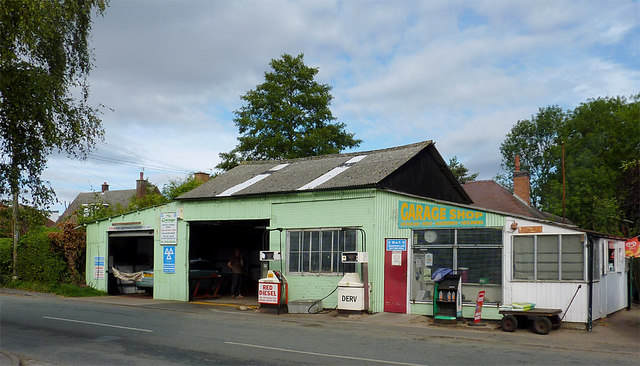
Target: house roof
(339, 171)
(112, 198)
(490, 195)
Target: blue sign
(169, 259)
(98, 261)
(396, 244)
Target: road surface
(46, 329)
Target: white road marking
(325, 354)
(100, 324)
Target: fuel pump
(353, 294)
(272, 289)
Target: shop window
(475, 254)
(548, 257)
(320, 251)
(572, 258)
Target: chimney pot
(105, 187)
(517, 163)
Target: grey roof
(112, 198)
(371, 170)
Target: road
(57, 331)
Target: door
(395, 276)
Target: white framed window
(548, 257)
(319, 251)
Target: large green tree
(287, 117)
(601, 139)
(45, 61)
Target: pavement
(619, 332)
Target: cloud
(460, 73)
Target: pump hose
(317, 301)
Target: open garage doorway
(129, 252)
(212, 244)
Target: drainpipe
(590, 247)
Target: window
(320, 251)
(476, 255)
(548, 257)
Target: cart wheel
(509, 323)
(556, 322)
(542, 325)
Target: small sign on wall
(530, 229)
(98, 268)
(168, 228)
(169, 259)
(396, 244)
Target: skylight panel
(252, 181)
(332, 173)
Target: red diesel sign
(268, 293)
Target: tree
(460, 171)
(45, 61)
(287, 117)
(601, 138)
(533, 140)
(177, 187)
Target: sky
(168, 75)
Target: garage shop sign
(426, 215)
(168, 228)
(128, 226)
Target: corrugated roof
(298, 173)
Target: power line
(160, 163)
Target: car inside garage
(212, 244)
(129, 252)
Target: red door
(395, 280)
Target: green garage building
(313, 209)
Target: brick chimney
(521, 183)
(105, 187)
(201, 177)
(141, 186)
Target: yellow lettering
(412, 211)
(478, 215)
(403, 210)
(419, 209)
(443, 213)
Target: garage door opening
(211, 246)
(129, 252)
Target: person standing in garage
(236, 264)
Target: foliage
(72, 242)
(45, 61)
(151, 198)
(532, 140)
(38, 261)
(29, 218)
(287, 117)
(64, 289)
(601, 137)
(177, 187)
(460, 171)
(629, 197)
(98, 211)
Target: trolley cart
(543, 320)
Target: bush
(6, 259)
(38, 261)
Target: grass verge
(67, 290)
